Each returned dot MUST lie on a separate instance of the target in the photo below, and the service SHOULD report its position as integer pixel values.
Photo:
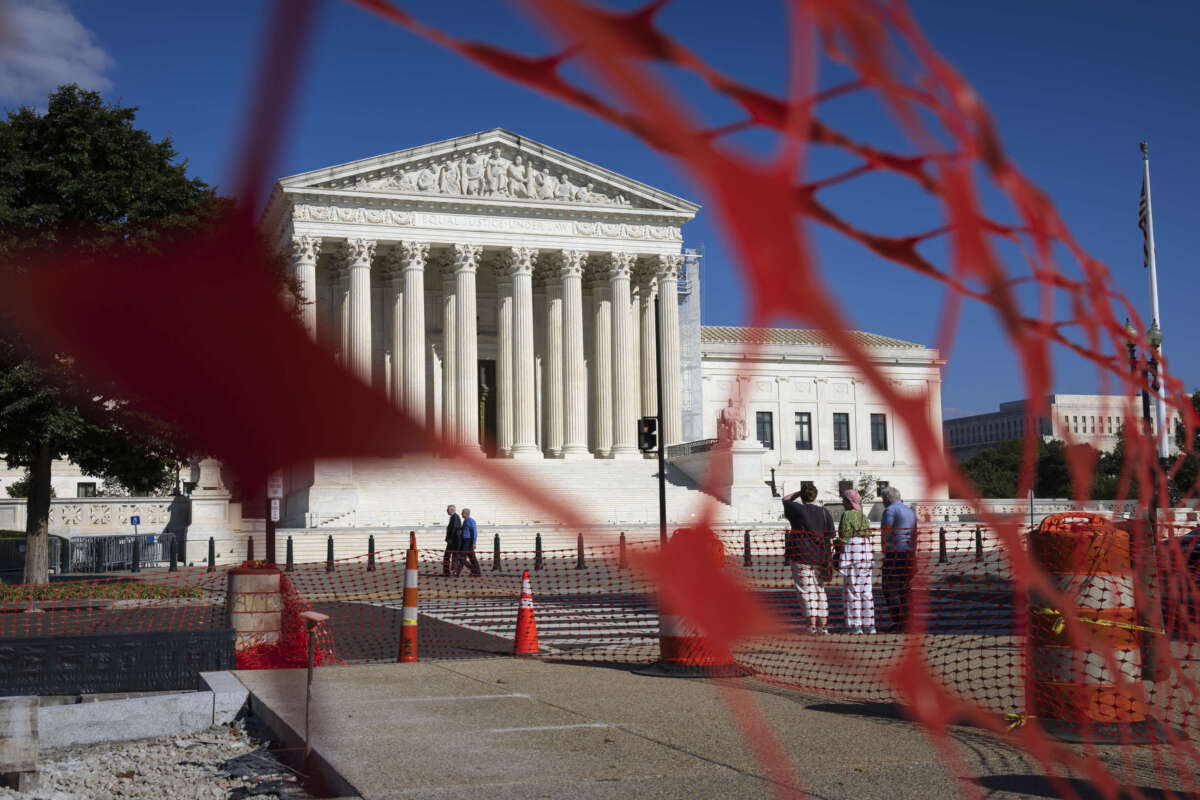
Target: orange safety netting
(943, 674)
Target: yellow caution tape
(1016, 720)
(1060, 623)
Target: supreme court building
(502, 292)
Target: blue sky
(1073, 87)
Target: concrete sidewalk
(507, 728)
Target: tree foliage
(996, 471)
(80, 178)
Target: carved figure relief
(489, 173)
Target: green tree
(995, 470)
(1189, 470)
(81, 178)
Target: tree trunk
(37, 517)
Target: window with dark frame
(766, 429)
(844, 486)
(803, 430)
(879, 432)
(841, 430)
(85, 490)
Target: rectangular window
(766, 429)
(879, 431)
(85, 490)
(843, 486)
(841, 431)
(803, 430)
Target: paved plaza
(507, 728)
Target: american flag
(1144, 224)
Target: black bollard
(496, 553)
(249, 548)
(579, 550)
(623, 559)
(746, 559)
(174, 567)
(212, 554)
(136, 556)
(978, 544)
(371, 553)
(537, 553)
(942, 559)
(329, 554)
(291, 561)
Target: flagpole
(1156, 316)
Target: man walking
(807, 547)
(899, 532)
(466, 549)
(453, 540)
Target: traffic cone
(526, 643)
(408, 617)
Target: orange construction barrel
(1086, 685)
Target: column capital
(667, 267)
(305, 249)
(620, 263)
(360, 252)
(521, 260)
(414, 254)
(572, 263)
(466, 257)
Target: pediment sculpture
(495, 173)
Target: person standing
(466, 549)
(807, 547)
(898, 528)
(453, 540)
(856, 564)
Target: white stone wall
(786, 380)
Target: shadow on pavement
(1038, 786)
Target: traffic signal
(647, 433)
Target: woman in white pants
(857, 563)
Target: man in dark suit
(453, 540)
(466, 551)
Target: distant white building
(1093, 419)
(816, 416)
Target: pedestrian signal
(647, 433)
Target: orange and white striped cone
(408, 617)
(526, 640)
(683, 650)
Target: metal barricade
(108, 553)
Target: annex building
(1093, 419)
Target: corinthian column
(414, 255)
(521, 260)
(361, 252)
(649, 345)
(668, 304)
(603, 415)
(554, 367)
(574, 378)
(624, 410)
(466, 343)
(305, 250)
(449, 359)
(504, 366)
(395, 305)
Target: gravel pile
(221, 763)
